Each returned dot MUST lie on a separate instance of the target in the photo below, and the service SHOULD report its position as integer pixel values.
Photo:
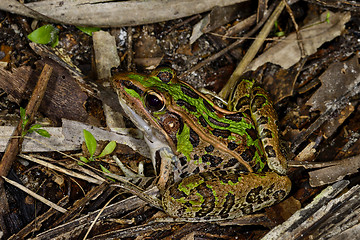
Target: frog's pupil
(154, 102)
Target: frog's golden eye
(165, 76)
(154, 101)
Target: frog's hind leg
(224, 194)
(265, 118)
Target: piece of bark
(334, 173)
(106, 56)
(320, 214)
(218, 16)
(286, 53)
(112, 13)
(339, 79)
(332, 99)
(36, 224)
(63, 98)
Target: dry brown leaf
(287, 52)
(340, 79)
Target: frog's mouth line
(152, 137)
(139, 122)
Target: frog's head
(146, 100)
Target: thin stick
(60, 169)
(35, 195)
(250, 54)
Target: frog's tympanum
(228, 162)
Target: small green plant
(88, 30)
(34, 128)
(327, 17)
(278, 33)
(91, 144)
(47, 34)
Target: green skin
(211, 193)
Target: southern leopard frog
(228, 163)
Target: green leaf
(84, 159)
(34, 127)
(104, 169)
(109, 148)
(89, 30)
(90, 142)
(24, 122)
(55, 42)
(280, 34)
(44, 35)
(43, 132)
(22, 113)
(327, 17)
(276, 24)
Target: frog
(226, 163)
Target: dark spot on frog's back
(213, 160)
(248, 154)
(266, 133)
(221, 133)
(209, 148)
(232, 145)
(262, 120)
(257, 102)
(243, 101)
(194, 138)
(130, 85)
(236, 117)
(208, 105)
(197, 170)
(208, 176)
(231, 163)
(203, 121)
(218, 123)
(270, 190)
(188, 92)
(270, 151)
(182, 160)
(226, 177)
(184, 174)
(175, 193)
(187, 105)
(252, 133)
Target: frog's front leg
(224, 195)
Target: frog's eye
(165, 76)
(154, 101)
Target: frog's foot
(137, 179)
(224, 194)
(127, 172)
